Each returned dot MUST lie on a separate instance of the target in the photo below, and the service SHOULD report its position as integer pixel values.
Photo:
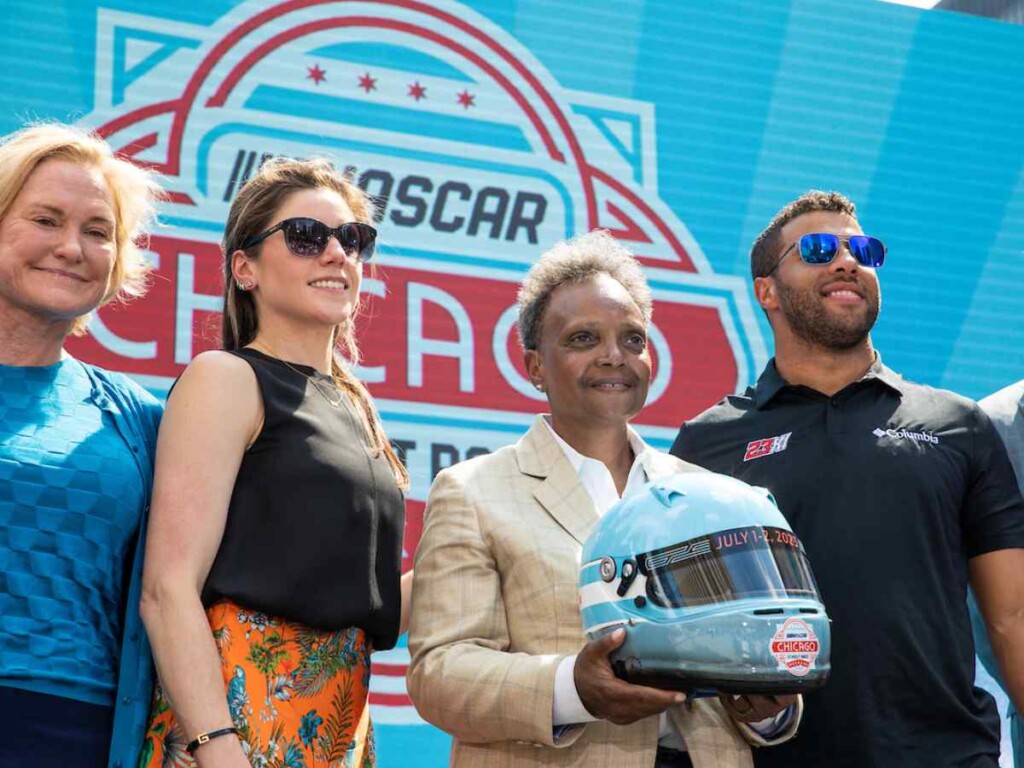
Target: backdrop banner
(487, 131)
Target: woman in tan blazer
(499, 658)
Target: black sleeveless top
(314, 527)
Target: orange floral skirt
(297, 695)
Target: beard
(810, 320)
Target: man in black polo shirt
(901, 494)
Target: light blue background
(918, 116)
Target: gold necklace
(317, 384)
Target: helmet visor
(753, 562)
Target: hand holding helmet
(607, 697)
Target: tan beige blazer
(496, 608)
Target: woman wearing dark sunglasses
(275, 547)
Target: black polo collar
(771, 382)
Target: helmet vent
(665, 494)
(768, 611)
(813, 611)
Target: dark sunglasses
(823, 247)
(308, 237)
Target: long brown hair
(252, 212)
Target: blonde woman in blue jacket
(76, 447)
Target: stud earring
(539, 385)
(246, 285)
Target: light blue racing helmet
(712, 587)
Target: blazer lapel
(561, 493)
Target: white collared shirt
(596, 478)
(567, 707)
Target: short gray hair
(575, 261)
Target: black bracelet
(202, 738)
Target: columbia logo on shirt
(757, 449)
(903, 434)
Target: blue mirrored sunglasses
(823, 247)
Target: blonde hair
(574, 261)
(133, 191)
(252, 212)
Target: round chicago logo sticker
(795, 647)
